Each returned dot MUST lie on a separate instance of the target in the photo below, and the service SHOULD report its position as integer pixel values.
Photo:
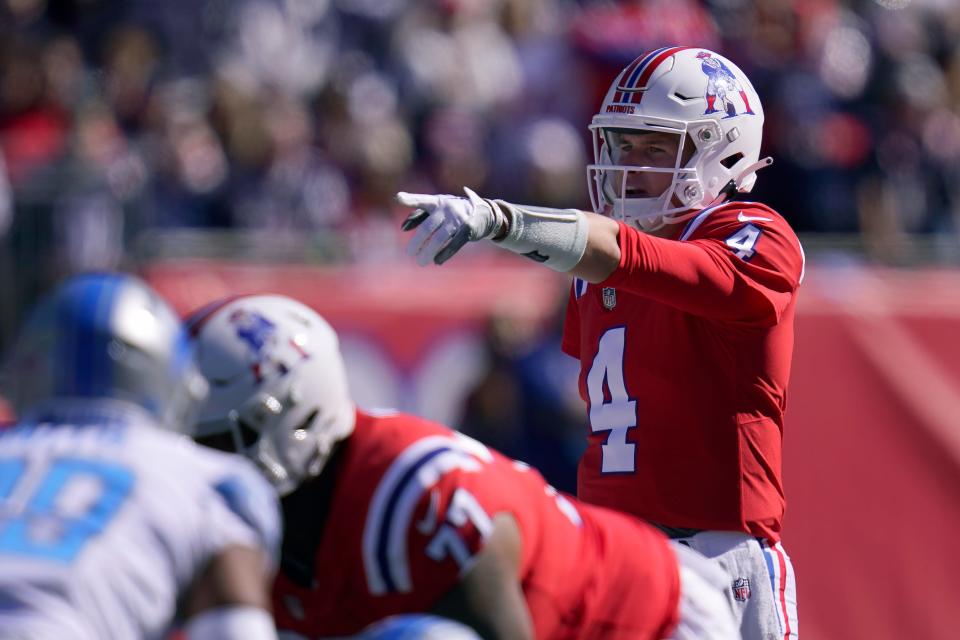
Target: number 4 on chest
(618, 413)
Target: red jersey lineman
(681, 314)
(412, 507)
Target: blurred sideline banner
(872, 442)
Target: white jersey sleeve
(105, 522)
(242, 508)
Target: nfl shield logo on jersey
(741, 589)
(609, 298)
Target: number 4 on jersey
(743, 241)
(618, 414)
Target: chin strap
(752, 169)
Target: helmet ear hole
(729, 161)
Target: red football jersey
(685, 355)
(411, 507)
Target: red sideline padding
(871, 460)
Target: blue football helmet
(106, 337)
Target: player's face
(644, 149)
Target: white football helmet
(278, 388)
(704, 99)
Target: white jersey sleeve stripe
(696, 222)
(803, 262)
(398, 526)
(579, 287)
(388, 520)
(375, 577)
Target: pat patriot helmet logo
(722, 87)
(259, 334)
(741, 589)
(252, 328)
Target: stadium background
(219, 146)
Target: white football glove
(445, 223)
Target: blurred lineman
(387, 513)
(681, 314)
(111, 525)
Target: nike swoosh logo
(743, 218)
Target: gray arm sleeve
(555, 237)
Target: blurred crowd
(301, 118)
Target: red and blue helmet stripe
(633, 81)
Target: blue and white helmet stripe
(82, 314)
(417, 469)
(106, 336)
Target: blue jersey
(105, 520)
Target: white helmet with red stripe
(278, 387)
(704, 99)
